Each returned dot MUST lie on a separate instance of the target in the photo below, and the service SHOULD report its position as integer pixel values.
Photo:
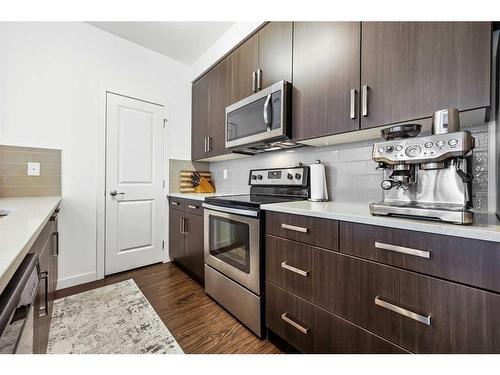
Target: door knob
(114, 193)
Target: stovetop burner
(251, 200)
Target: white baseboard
(76, 280)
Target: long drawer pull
(294, 269)
(192, 206)
(403, 250)
(295, 228)
(399, 310)
(174, 203)
(296, 325)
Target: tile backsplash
(14, 179)
(351, 173)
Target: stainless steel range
(234, 241)
(426, 177)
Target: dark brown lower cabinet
(193, 245)
(185, 233)
(420, 313)
(47, 248)
(312, 329)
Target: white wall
(52, 76)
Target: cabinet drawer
(326, 333)
(193, 206)
(467, 261)
(419, 313)
(310, 230)
(288, 264)
(177, 203)
(290, 317)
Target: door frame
(101, 173)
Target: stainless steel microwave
(261, 119)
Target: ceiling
(181, 41)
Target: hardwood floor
(198, 323)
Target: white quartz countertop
(199, 196)
(20, 229)
(485, 227)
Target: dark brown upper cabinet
(220, 82)
(211, 94)
(245, 61)
(264, 59)
(411, 69)
(326, 78)
(199, 117)
(275, 54)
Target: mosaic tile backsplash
(351, 173)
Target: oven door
(232, 245)
(259, 119)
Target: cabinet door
(275, 53)
(199, 117)
(412, 69)
(175, 235)
(220, 81)
(245, 62)
(325, 70)
(194, 245)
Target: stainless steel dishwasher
(16, 308)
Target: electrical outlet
(225, 174)
(33, 169)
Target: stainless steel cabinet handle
(185, 226)
(403, 250)
(353, 104)
(45, 277)
(364, 100)
(399, 310)
(192, 206)
(254, 81)
(174, 203)
(209, 144)
(55, 244)
(294, 269)
(205, 140)
(181, 225)
(267, 115)
(295, 228)
(296, 325)
(114, 193)
(259, 79)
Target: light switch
(33, 169)
(225, 174)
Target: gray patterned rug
(114, 319)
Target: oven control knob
(440, 143)
(297, 176)
(399, 148)
(413, 151)
(453, 142)
(254, 177)
(389, 149)
(289, 176)
(428, 144)
(259, 177)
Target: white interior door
(134, 183)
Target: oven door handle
(237, 211)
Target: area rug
(114, 319)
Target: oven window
(229, 241)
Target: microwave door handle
(267, 115)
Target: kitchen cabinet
(325, 78)
(411, 69)
(264, 59)
(220, 96)
(383, 290)
(200, 118)
(185, 235)
(47, 248)
(245, 61)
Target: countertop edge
(12, 268)
(446, 229)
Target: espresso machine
(427, 177)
